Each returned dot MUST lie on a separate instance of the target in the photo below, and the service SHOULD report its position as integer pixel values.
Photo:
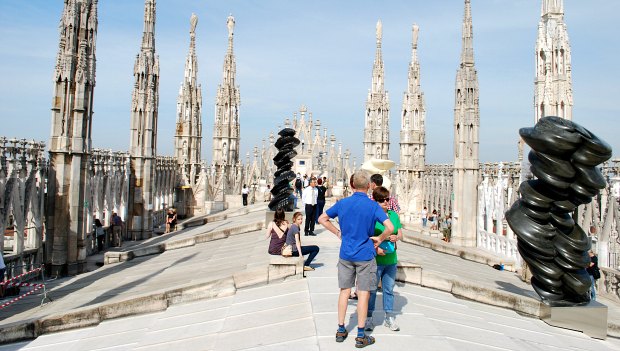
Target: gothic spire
(226, 128)
(466, 141)
(553, 94)
(552, 7)
(377, 69)
(467, 55)
(191, 63)
(148, 34)
(376, 130)
(188, 135)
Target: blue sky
(318, 53)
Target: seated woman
(171, 220)
(276, 230)
(293, 239)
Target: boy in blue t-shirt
(357, 216)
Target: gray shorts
(364, 271)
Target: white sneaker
(370, 325)
(390, 322)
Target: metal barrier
(21, 281)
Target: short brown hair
(380, 193)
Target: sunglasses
(382, 200)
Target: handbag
(387, 246)
(287, 250)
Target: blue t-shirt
(357, 215)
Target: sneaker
(308, 268)
(370, 325)
(390, 322)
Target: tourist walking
(386, 263)
(276, 231)
(594, 272)
(357, 215)
(424, 215)
(309, 199)
(117, 229)
(244, 194)
(293, 239)
(99, 234)
(320, 199)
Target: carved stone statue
(193, 21)
(230, 22)
(564, 157)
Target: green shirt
(391, 258)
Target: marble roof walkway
(202, 296)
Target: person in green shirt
(386, 263)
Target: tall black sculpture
(564, 157)
(282, 190)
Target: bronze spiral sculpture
(563, 158)
(282, 190)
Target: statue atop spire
(193, 22)
(379, 32)
(467, 54)
(230, 23)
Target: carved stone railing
(108, 178)
(609, 283)
(499, 245)
(437, 188)
(23, 175)
(167, 177)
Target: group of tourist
(437, 222)
(369, 228)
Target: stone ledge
(409, 272)
(122, 256)
(154, 302)
(282, 267)
(469, 254)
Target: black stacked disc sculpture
(282, 189)
(564, 157)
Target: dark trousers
(320, 205)
(309, 227)
(100, 242)
(310, 250)
(245, 199)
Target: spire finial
(230, 22)
(415, 29)
(193, 21)
(379, 32)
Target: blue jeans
(424, 221)
(592, 289)
(387, 276)
(310, 250)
